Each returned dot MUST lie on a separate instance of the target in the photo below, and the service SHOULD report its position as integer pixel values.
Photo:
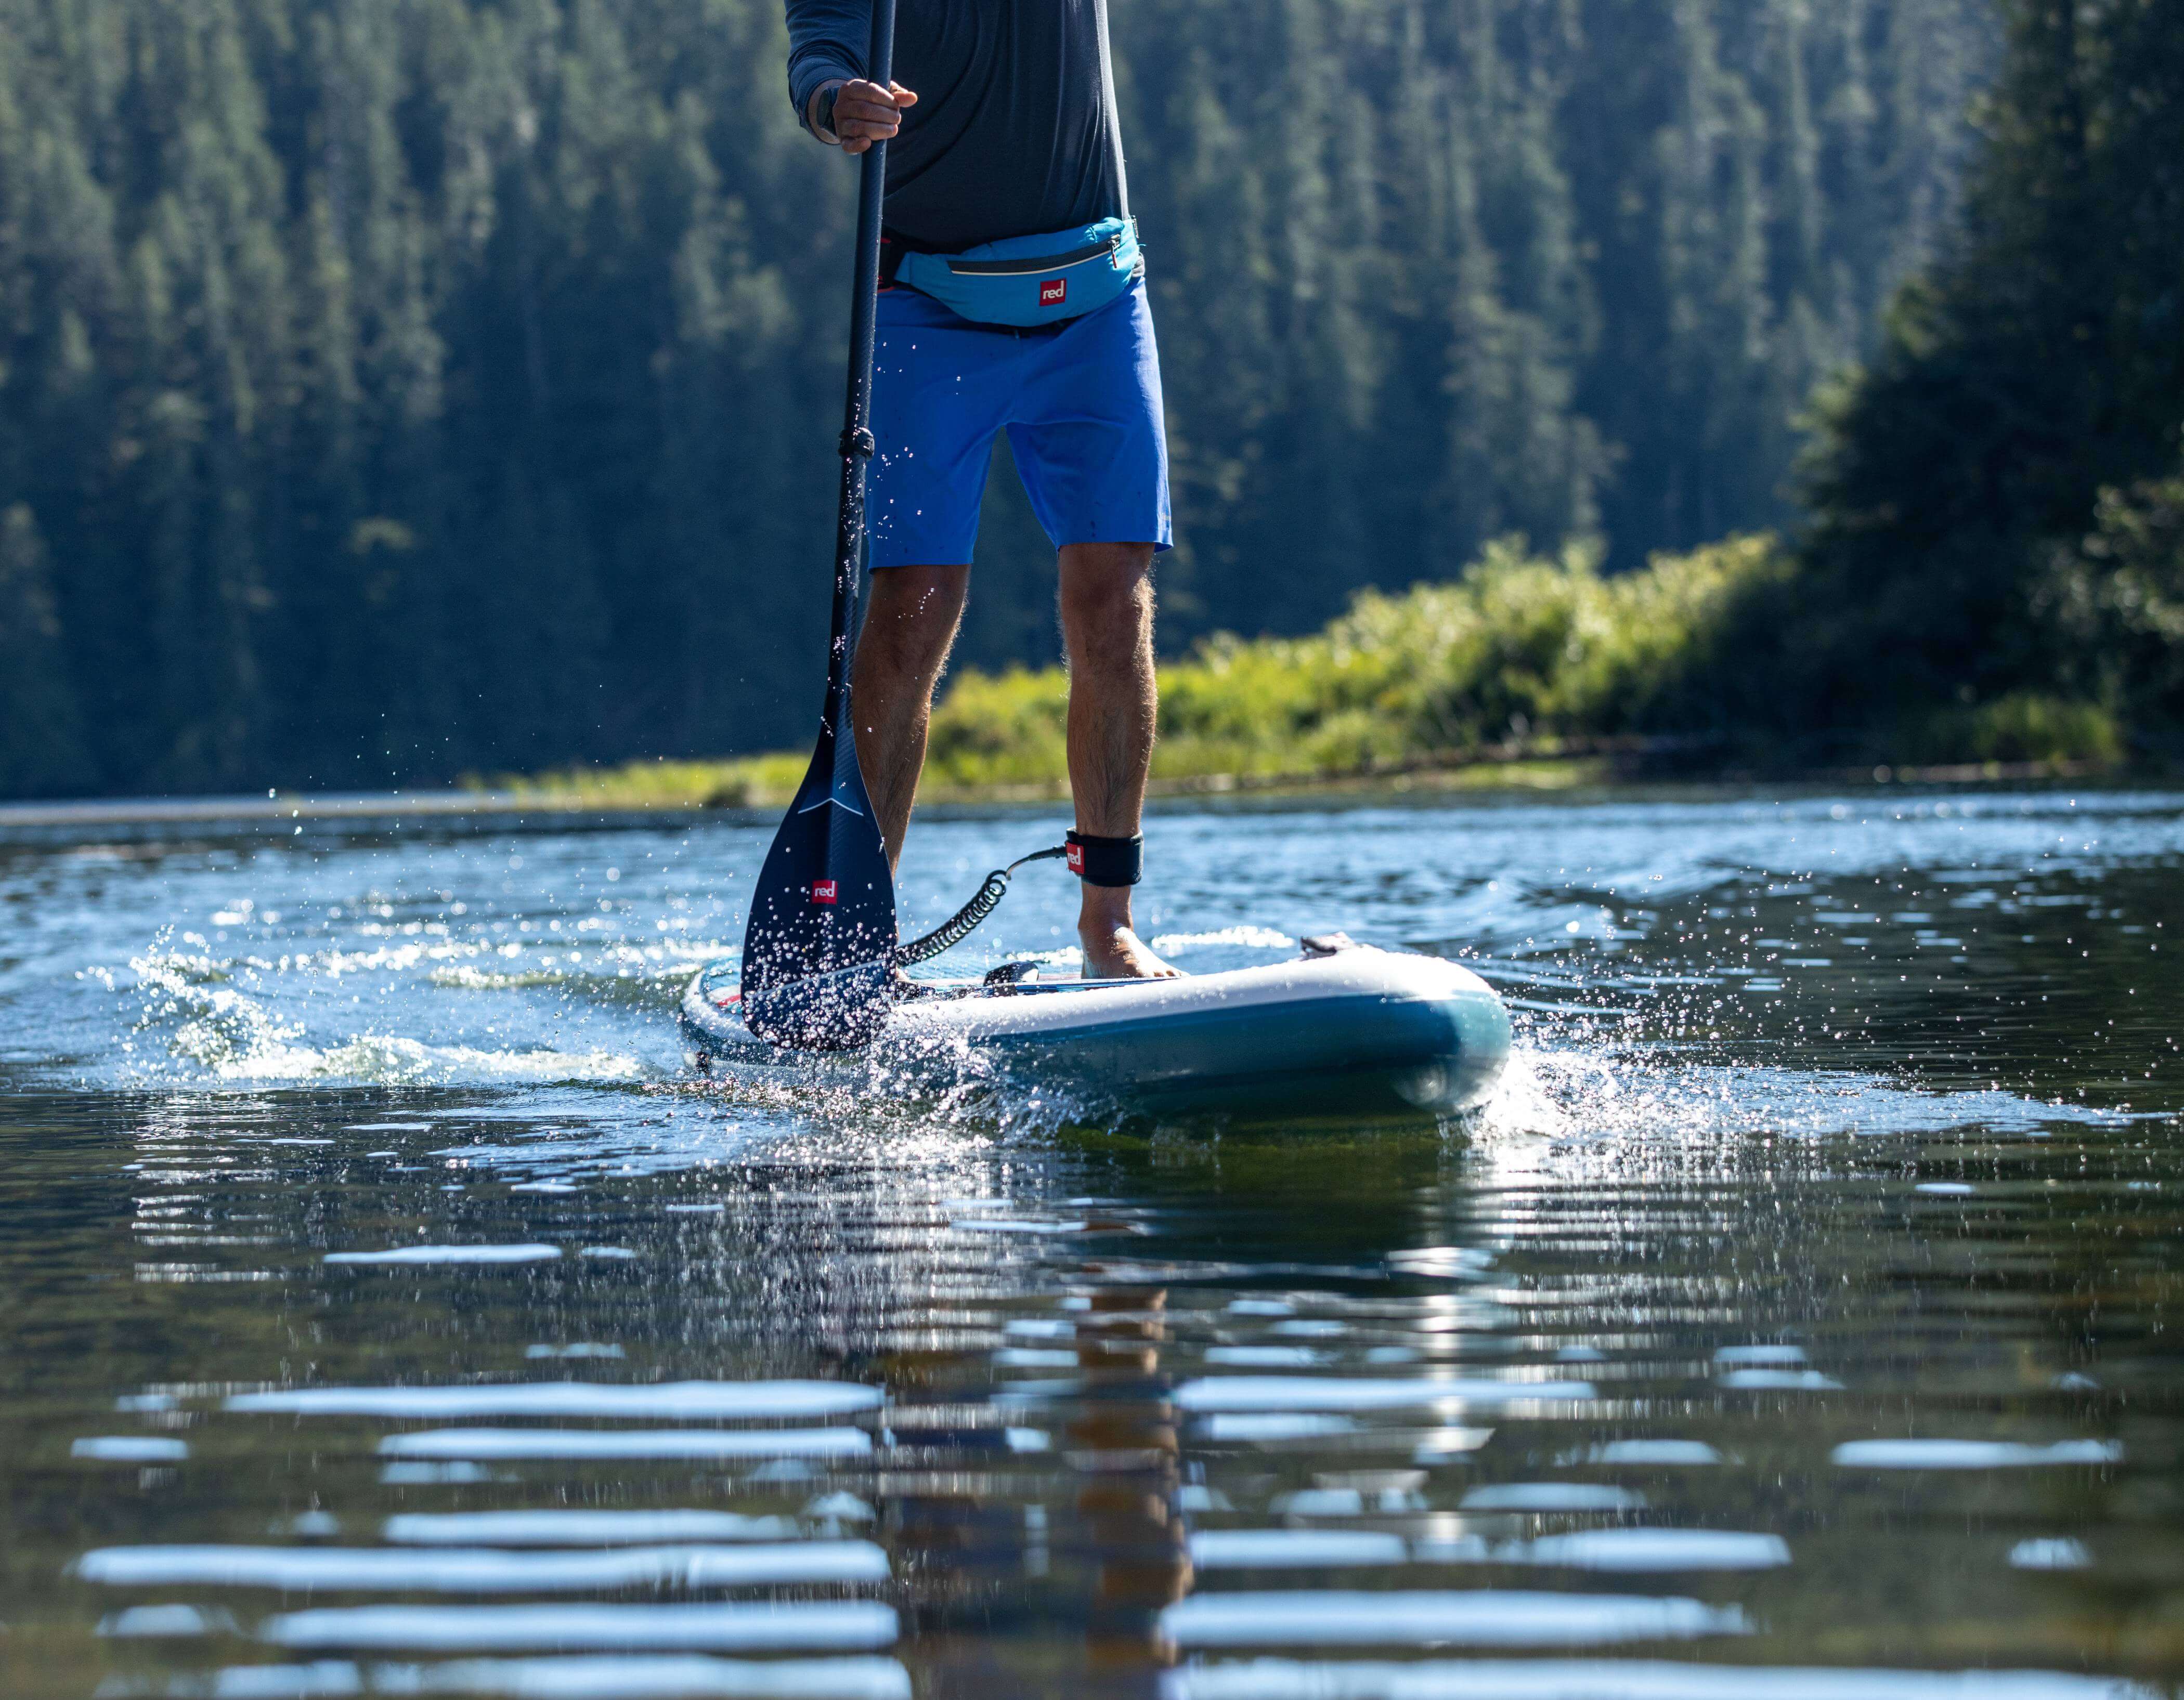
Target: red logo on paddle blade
(1076, 860)
(1053, 290)
(823, 890)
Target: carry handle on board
(820, 948)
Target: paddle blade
(819, 951)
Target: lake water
(390, 1309)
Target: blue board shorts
(1081, 404)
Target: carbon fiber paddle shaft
(819, 946)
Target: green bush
(1523, 649)
(1009, 729)
(1538, 655)
(2116, 596)
(2024, 727)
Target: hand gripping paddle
(820, 950)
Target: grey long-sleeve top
(1014, 133)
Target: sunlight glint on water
(395, 1312)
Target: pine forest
(391, 389)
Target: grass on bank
(1526, 671)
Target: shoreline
(1496, 778)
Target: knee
(1106, 590)
(909, 623)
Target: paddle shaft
(819, 949)
(856, 411)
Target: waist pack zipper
(1039, 267)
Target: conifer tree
(2042, 360)
(43, 753)
(401, 388)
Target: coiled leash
(1095, 860)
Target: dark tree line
(1998, 501)
(394, 388)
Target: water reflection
(1791, 1327)
(1023, 1456)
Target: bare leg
(909, 625)
(1107, 628)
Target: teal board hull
(1359, 1034)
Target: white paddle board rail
(1350, 1032)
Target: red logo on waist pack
(823, 890)
(1076, 860)
(1053, 290)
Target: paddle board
(1347, 1031)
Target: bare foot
(1116, 953)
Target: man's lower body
(1082, 406)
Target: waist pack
(1027, 281)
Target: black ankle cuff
(1100, 861)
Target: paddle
(819, 951)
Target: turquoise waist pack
(1027, 281)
